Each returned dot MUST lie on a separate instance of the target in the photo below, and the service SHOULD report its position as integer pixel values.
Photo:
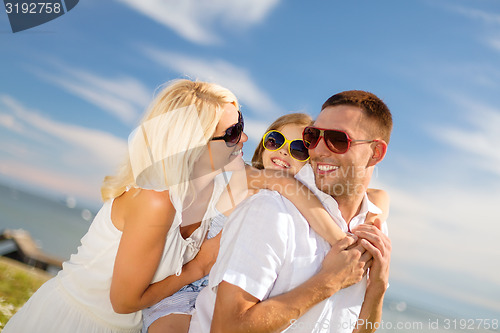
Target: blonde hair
(301, 119)
(170, 138)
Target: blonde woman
(140, 246)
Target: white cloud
(235, 78)
(195, 20)
(494, 43)
(123, 97)
(443, 222)
(442, 231)
(490, 38)
(53, 180)
(453, 290)
(254, 129)
(69, 157)
(17, 150)
(477, 14)
(96, 142)
(9, 122)
(478, 139)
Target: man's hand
(379, 246)
(345, 264)
(238, 311)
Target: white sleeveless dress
(77, 299)
(183, 301)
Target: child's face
(281, 159)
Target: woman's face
(229, 158)
(281, 159)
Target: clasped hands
(348, 261)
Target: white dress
(183, 301)
(77, 299)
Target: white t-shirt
(268, 248)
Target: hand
(345, 264)
(379, 245)
(371, 218)
(207, 255)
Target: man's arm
(238, 311)
(379, 245)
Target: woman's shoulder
(145, 205)
(154, 198)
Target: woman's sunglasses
(337, 141)
(233, 133)
(274, 140)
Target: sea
(58, 224)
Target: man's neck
(350, 206)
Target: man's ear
(379, 151)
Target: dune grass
(17, 283)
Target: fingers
(367, 227)
(344, 243)
(368, 264)
(367, 260)
(370, 217)
(374, 236)
(366, 255)
(375, 241)
(361, 251)
(374, 252)
(378, 223)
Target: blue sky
(72, 89)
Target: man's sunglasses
(274, 140)
(337, 141)
(233, 133)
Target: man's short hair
(374, 108)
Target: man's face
(343, 175)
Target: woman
(147, 230)
(281, 149)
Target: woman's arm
(192, 271)
(381, 199)
(305, 201)
(147, 218)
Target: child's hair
(300, 119)
(170, 138)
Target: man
(274, 272)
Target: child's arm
(381, 199)
(305, 201)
